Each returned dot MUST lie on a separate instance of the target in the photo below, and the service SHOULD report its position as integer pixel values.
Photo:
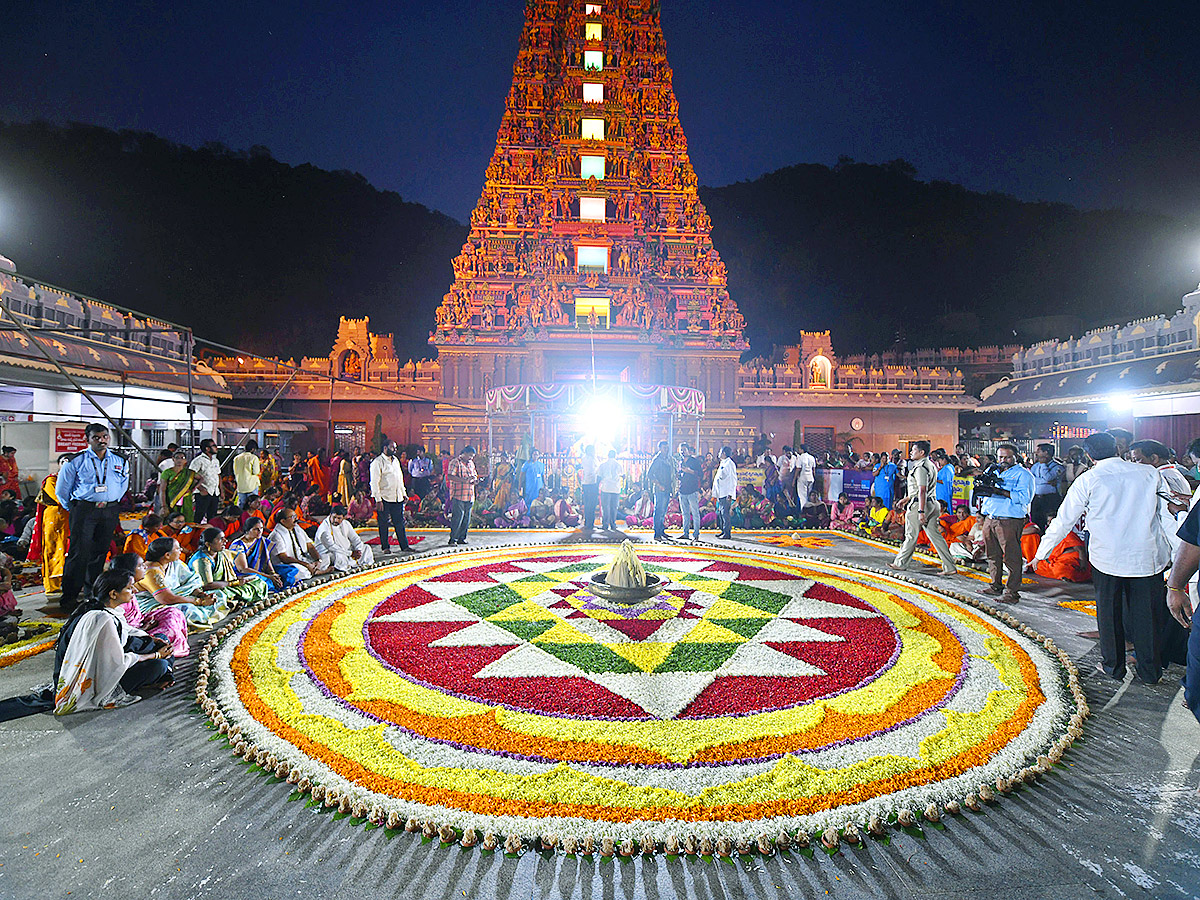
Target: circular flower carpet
(760, 699)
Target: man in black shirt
(689, 490)
(661, 474)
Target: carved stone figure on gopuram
(589, 220)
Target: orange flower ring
(759, 699)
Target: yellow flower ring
(759, 698)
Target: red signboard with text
(69, 440)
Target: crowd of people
(1115, 511)
(1118, 512)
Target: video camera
(989, 483)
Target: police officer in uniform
(90, 487)
(922, 511)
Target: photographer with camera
(1007, 491)
(922, 511)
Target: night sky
(1094, 104)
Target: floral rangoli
(758, 700)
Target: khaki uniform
(923, 473)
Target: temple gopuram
(589, 288)
(590, 256)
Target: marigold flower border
(333, 792)
(13, 653)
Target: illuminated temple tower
(589, 241)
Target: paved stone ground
(139, 803)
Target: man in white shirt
(723, 490)
(290, 546)
(1128, 550)
(806, 474)
(1172, 513)
(609, 475)
(247, 469)
(208, 481)
(387, 487)
(339, 545)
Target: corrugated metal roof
(1152, 375)
(93, 360)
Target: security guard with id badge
(90, 487)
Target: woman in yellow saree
(49, 544)
(175, 488)
(502, 483)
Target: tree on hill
(871, 253)
(256, 253)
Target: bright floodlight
(1120, 402)
(601, 417)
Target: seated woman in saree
(841, 516)
(565, 513)
(188, 535)
(252, 554)
(217, 570)
(168, 582)
(166, 622)
(175, 487)
(430, 511)
(641, 512)
(874, 515)
(100, 658)
(816, 512)
(516, 516)
(361, 510)
(541, 510)
(892, 528)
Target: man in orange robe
(1031, 536)
(1068, 561)
(318, 474)
(140, 538)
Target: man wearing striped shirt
(462, 479)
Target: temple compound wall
(441, 402)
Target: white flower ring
(762, 698)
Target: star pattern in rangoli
(720, 639)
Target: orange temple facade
(589, 246)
